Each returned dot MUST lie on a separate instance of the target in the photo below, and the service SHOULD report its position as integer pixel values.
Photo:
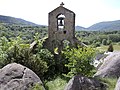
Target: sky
(88, 12)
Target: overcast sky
(88, 12)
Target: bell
(60, 23)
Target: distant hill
(79, 28)
(106, 26)
(102, 26)
(17, 21)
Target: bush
(37, 87)
(56, 84)
(97, 44)
(110, 48)
(16, 50)
(110, 82)
(104, 42)
(4, 47)
(109, 42)
(79, 61)
(20, 53)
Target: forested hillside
(106, 26)
(102, 26)
(26, 32)
(17, 21)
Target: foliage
(26, 32)
(110, 48)
(17, 51)
(104, 48)
(104, 42)
(79, 61)
(97, 44)
(38, 87)
(56, 84)
(4, 47)
(110, 82)
(72, 61)
(91, 37)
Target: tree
(110, 48)
(104, 42)
(79, 61)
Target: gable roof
(61, 7)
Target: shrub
(110, 48)
(97, 44)
(37, 87)
(20, 53)
(109, 42)
(56, 84)
(80, 61)
(110, 82)
(104, 42)
(4, 47)
(16, 50)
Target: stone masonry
(61, 27)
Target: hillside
(106, 26)
(79, 28)
(101, 26)
(17, 21)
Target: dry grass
(116, 47)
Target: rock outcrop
(110, 66)
(80, 82)
(17, 77)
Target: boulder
(110, 66)
(80, 82)
(117, 87)
(17, 77)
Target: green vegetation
(79, 59)
(110, 48)
(15, 43)
(37, 87)
(105, 47)
(110, 82)
(56, 84)
(59, 84)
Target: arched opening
(60, 21)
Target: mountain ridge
(101, 26)
(12, 20)
(105, 26)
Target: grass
(57, 84)
(104, 48)
(110, 82)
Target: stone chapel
(61, 27)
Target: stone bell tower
(61, 26)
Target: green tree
(110, 48)
(79, 61)
(104, 42)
